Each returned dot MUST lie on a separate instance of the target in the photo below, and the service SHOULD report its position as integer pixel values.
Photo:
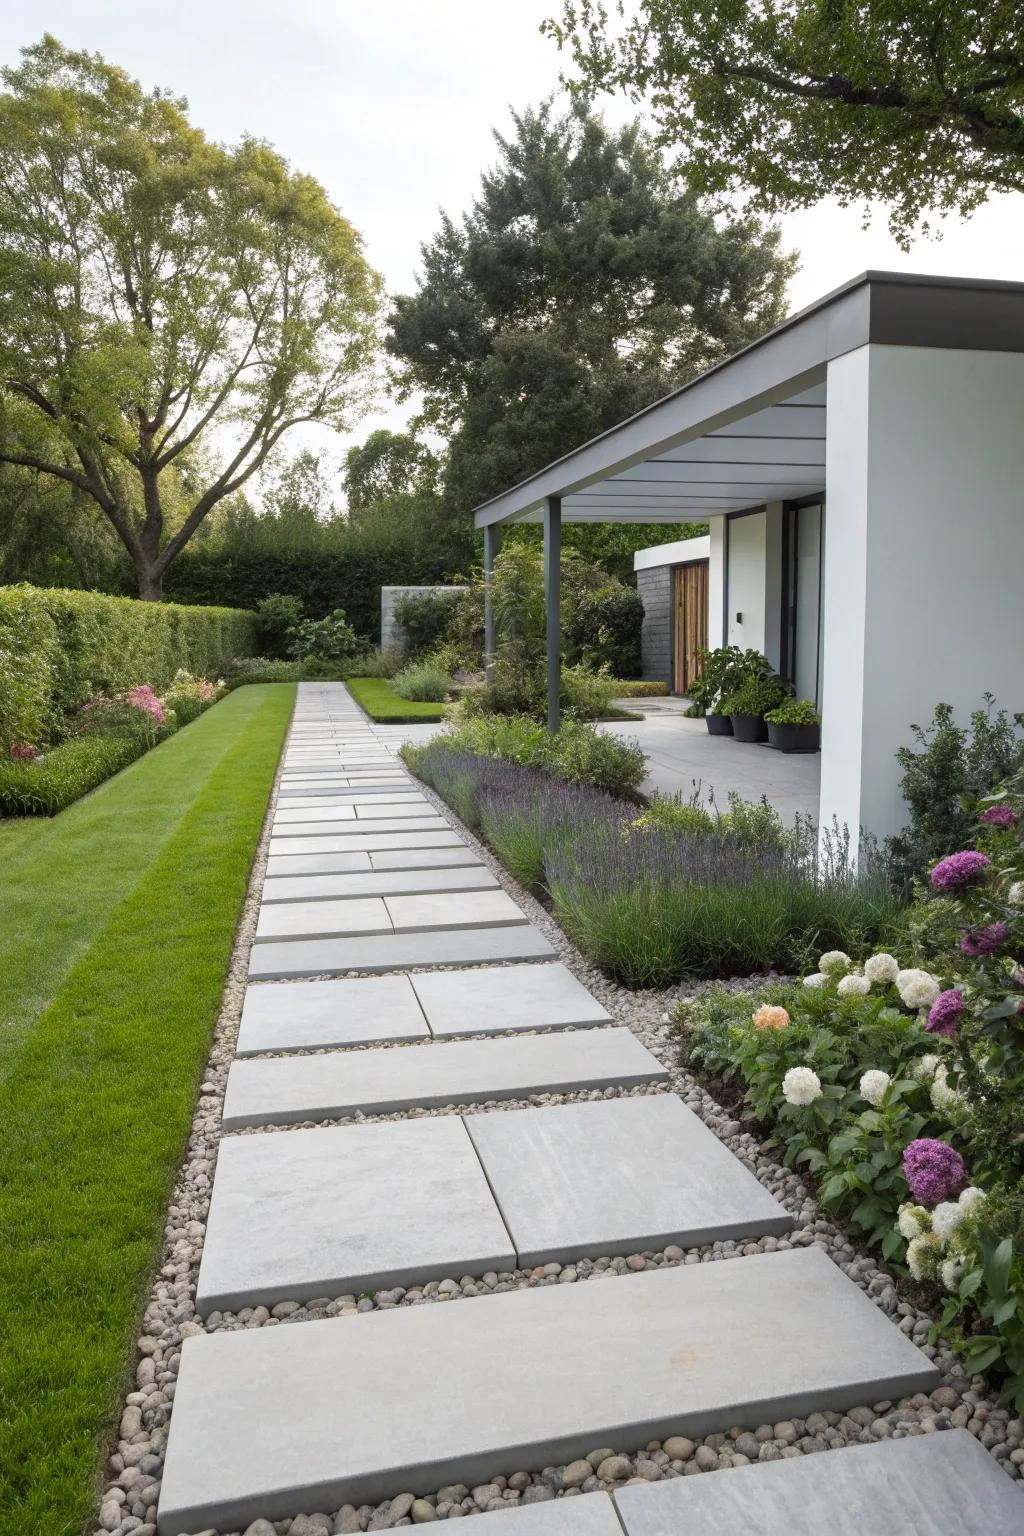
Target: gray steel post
(553, 601)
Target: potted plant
(748, 706)
(708, 686)
(794, 726)
(717, 720)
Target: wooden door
(691, 620)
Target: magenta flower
(23, 752)
(959, 870)
(985, 941)
(944, 1014)
(143, 697)
(934, 1171)
(1002, 816)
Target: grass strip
(98, 1107)
(377, 696)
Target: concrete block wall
(390, 629)
(655, 587)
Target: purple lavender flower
(958, 871)
(985, 941)
(1002, 816)
(934, 1171)
(944, 1014)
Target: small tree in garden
(169, 309)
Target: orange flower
(769, 1017)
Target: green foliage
(946, 777)
(584, 283)
(984, 1317)
(68, 772)
(723, 672)
(378, 697)
(602, 629)
(578, 753)
(59, 648)
(640, 689)
(425, 619)
(674, 813)
(328, 639)
(757, 696)
(157, 287)
(915, 106)
(794, 712)
(423, 682)
(277, 617)
(386, 466)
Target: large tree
(918, 103)
(163, 300)
(585, 281)
(387, 465)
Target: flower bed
(899, 1086)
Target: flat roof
(609, 478)
(680, 552)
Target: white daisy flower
(873, 1086)
(801, 1086)
(882, 968)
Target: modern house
(861, 469)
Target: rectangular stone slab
(270, 1421)
(346, 1209)
(311, 1015)
(927, 1485)
(305, 800)
(617, 1176)
(412, 805)
(282, 1090)
(454, 909)
(342, 863)
(284, 813)
(361, 842)
(421, 858)
(589, 1514)
(437, 912)
(350, 833)
(380, 882)
(481, 1002)
(396, 951)
(288, 920)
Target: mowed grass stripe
(61, 878)
(97, 1115)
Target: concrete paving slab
(395, 951)
(381, 882)
(481, 1002)
(271, 1421)
(589, 1514)
(454, 909)
(314, 1015)
(305, 919)
(619, 1176)
(282, 1090)
(411, 806)
(378, 841)
(305, 799)
(451, 856)
(346, 1209)
(349, 834)
(927, 1485)
(283, 815)
(342, 862)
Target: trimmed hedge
(69, 772)
(639, 689)
(58, 648)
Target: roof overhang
(752, 429)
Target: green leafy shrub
(67, 773)
(425, 620)
(422, 682)
(757, 696)
(277, 617)
(639, 688)
(586, 695)
(331, 638)
(578, 753)
(794, 712)
(60, 648)
(724, 671)
(374, 663)
(602, 628)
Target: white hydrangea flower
(952, 1273)
(971, 1197)
(912, 1221)
(926, 1067)
(834, 962)
(882, 968)
(801, 1086)
(873, 1086)
(918, 989)
(923, 1254)
(816, 979)
(946, 1217)
(944, 1098)
(1015, 895)
(854, 986)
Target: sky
(390, 104)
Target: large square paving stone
(364, 841)
(454, 909)
(349, 1209)
(437, 912)
(328, 837)
(379, 882)
(450, 857)
(618, 1176)
(271, 1421)
(285, 920)
(325, 812)
(311, 1015)
(489, 1002)
(279, 1090)
(926, 1485)
(396, 951)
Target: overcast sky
(390, 103)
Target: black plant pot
(749, 728)
(795, 738)
(718, 725)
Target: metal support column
(553, 600)
(492, 544)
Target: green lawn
(116, 926)
(382, 703)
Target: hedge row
(58, 648)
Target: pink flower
(959, 870)
(23, 752)
(1002, 816)
(143, 697)
(985, 941)
(934, 1170)
(768, 1017)
(944, 1014)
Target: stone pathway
(395, 940)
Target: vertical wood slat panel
(691, 628)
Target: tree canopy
(919, 105)
(165, 303)
(585, 281)
(387, 465)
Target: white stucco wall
(716, 582)
(924, 550)
(677, 553)
(745, 560)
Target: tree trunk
(151, 583)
